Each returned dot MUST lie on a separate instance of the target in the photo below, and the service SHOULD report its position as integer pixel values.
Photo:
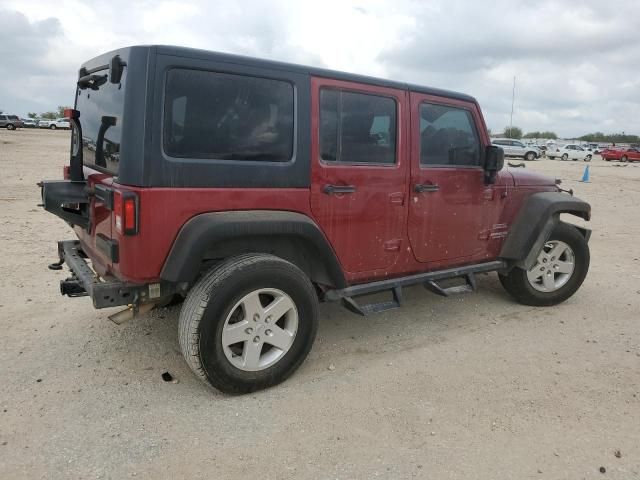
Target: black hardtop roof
(295, 68)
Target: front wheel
(624, 158)
(11, 126)
(587, 158)
(52, 127)
(530, 156)
(557, 273)
(565, 157)
(248, 323)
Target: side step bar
(429, 279)
(469, 286)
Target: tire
(623, 158)
(215, 304)
(565, 157)
(10, 126)
(52, 127)
(517, 282)
(530, 156)
(587, 158)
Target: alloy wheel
(553, 268)
(260, 329)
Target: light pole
(513, 98)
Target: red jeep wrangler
(255, 189)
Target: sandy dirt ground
(474, 387)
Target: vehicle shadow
(424, 319)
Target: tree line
(516, 132)
(59, 113)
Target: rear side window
(357, 128)
(448, 136)
(228, 117)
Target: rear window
(213, 115)
(101, 120)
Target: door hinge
(499, 230)
(396, 198)
(392, 245)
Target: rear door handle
(425, 187)
(335, 189)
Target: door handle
(425, 187)
(336, 189)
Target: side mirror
(493, 163)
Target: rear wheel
(558, 272)
(10, 126)
(587, 158)
(530, 156)
(248, 323)
(52, 127)
(624, 158)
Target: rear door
(450, 210)
(358, 190)
(101, 117)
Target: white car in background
(54, 124)
(515, 148)
(571, 151)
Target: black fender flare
(217, 235)
(534, 223)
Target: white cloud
(575, 63)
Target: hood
(524, 178)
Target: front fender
(536, 220)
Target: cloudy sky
(577, 64)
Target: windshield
(101, 120)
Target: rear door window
(357, 128)
(213, 115)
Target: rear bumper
(105, 292)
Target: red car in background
(621, 154)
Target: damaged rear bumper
(105, 292)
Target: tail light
(66, 172)
(125, 208)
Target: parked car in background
(54, 124)
(29, 123)
(621, 154)
(594, 148)
(611, 153)
(515, 148)
(10, 122)
(571, 151)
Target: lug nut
(544, 260)
(248, 331)
(256, 339)
(268, 319)
(256, 317)
(268, 332)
